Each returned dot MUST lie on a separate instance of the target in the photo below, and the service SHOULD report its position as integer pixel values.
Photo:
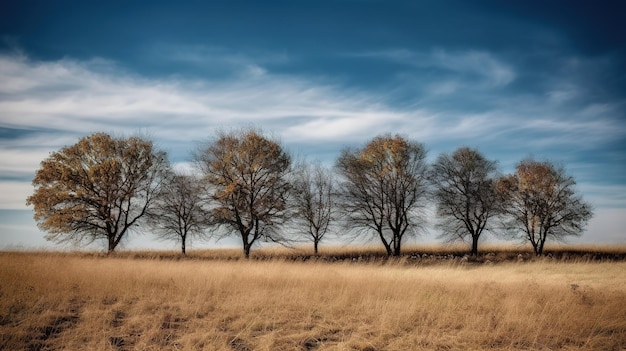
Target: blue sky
(514, 79)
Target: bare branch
(465, 194)
(384, 187)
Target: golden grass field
(78, 301)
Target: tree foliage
(313, 201)
(384, 188)
(465, 194)
(180, 212)
(249, 176)
(541, 203)
(98, 188)
(102, 187)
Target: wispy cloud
(605, 196)
(45, 105)
(51, 103)
(480, 68)
(215, 61)
(75, 97)
(14, 194)
(20, 163)
(495, 72)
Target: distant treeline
(247, 185)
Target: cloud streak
(52, 103)
(473, 65)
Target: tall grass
(87, 302)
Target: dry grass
(85, 302)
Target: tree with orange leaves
(540, 203)
(384, 187)
(248, 173)
(98, 188)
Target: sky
(513, 79)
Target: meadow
(213, 301)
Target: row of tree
(247, 185)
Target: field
(211, 301)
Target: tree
(180, 213)
(384, 187)
(465, 194)
(98, 188)
(540, 203)
(249, 175)
(313, 201)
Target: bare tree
(541, 203)
(249, 176)
(313, 199)
(384, 188)
(465, 194)
(98, 188)
(180, 212)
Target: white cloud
(476, 69)
(185, 168)
(74, 98)
(14, 194)
(53, 103)
(346, 125)
(68, 95)
(20, 162)
(495, 72)
(563, 94)
(213, 57)
(60, 100)
(82, 97)
(605, 196)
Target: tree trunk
(111, 245)
(387, 245)
(536, 248)
(388, 248)
(183, 247)
(541, 243)
(475, 246)
(396, 246)
(246, 250)
(315, 244)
